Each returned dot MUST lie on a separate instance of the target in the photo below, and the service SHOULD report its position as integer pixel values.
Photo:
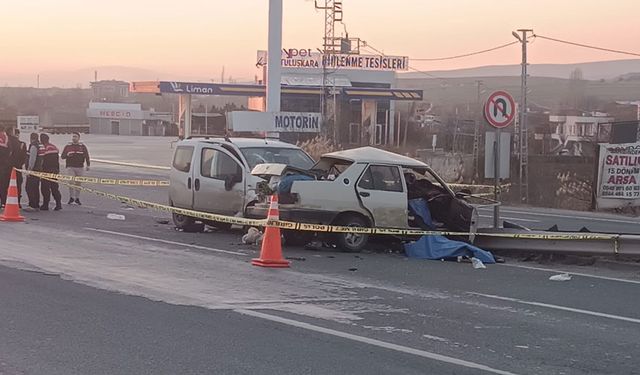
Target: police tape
(97, 180)
(157, 206)
(418, 232)
(323, 228)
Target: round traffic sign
(500, 109)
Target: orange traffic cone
(271, 251)
(11, 207)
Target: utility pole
(330, 45)
(274, 54)
(476, 133)
(523, 134)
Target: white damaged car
(363, 187)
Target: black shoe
(78, 202)
(71, 200)
(44, 208)
(58, 207)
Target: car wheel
(187, 223)
(352, 242)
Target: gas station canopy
(198, 88)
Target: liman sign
(306, 58)
(619, 175)
(280, 122)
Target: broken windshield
(290, 156)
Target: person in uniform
(50, 164)
(34, 163)
(5, 165)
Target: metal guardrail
(627, 244)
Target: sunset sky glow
(197, 37)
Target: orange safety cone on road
(12, 207)
(271, 251)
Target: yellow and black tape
(98, 180)
(333, 228)
(418, 232)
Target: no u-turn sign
(500, 109)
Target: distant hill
(591, 70)
(82, 77)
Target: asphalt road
(136, 296)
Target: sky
(196, 38)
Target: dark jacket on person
(18, 152)
(51, 159)
(76, 154)
(35, 156)
(5, 150)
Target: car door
(382, 192)
(219, 182)
(180, 176)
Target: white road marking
(573, 273)
(558, 307)
(512, 218)
(167, 242)
(575, 217)
(374, 342)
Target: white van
(214, 175)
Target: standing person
(18, 158)
(50, 164)
(76, 155)
(35, 155)
(5, 165)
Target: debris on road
(115, 217)
(252, 237)
(162, 221)
(302, 259)
(353, 269)
(560, 277)
(477, 263)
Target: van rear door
(180, 189)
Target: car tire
(350, 242)
(186, 223)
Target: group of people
(40, 156)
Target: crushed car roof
(375, 155)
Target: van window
(182, 158)
(218, 165)
(381, 177)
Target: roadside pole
(499, 111)
(274, 53)
(496, 181)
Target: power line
(467, 54)
(587, 46)
(369, 46)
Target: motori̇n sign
(280, 122)
(297, 122)
(500, 109)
